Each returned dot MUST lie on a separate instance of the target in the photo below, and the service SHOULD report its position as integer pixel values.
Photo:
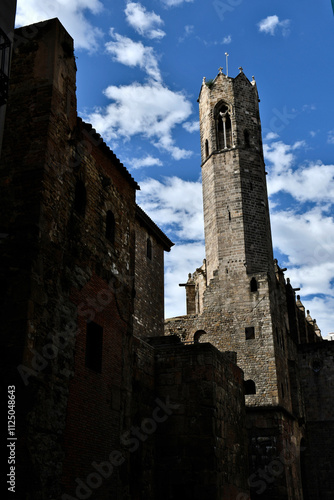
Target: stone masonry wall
(201, 448)
(59, 270)
(275, 442)
(316, 364)
(149, 285)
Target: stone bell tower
(236, 216)
(239, 300)
(239, 267)
(233, 300)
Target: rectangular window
(94, 338)
(250, 332)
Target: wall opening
(198, 335)
(149, 248)
(206, 148)
(250, 332)
(80, 198)
(246, 139)
(253, 285)
(94, 339)
(249, 387)
(110, 226)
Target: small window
(149, 249)
(206, 148)
(94, 337)
(80, 198)
(249, 387)
(250, 332)
(253, 285)
(198, 335)
(110, 226)
(246, 139)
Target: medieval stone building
(234, 401)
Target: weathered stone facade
(100, 411)
(107, 407)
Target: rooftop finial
(220, 70)
(240, 69)
(204, 79)
(226, 54)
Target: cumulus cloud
(188, 31)
(304, 231)
(144, 22)
(130, 53)
(311, 182)
(191, 126)
(330, 137)
(183, 259)
(271, 24)
(308, 241)
(147, 161)
(176, 206)
(173, 3)
(227, 40)
(150, 110)
(71, 14)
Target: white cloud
(173, 3)
(308, 241)
(150, 110)
(144, 22)
(147, 161)
(191, 126)
(270, 136)
(188, 31)
(312, 182)
(176, 206)
(182, 260)
(305, 235)
(280, 155)
(71, 14)
(227, 39)
(322, 309)
(271, 23)
(126, 51)
(330, 137)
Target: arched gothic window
(224, 127)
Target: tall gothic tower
(236, 217)
(239, 299)
(240, 272)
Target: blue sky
(140, 69)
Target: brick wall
(61, 270)
(201, 447)
(149, 284)
(316, 362)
